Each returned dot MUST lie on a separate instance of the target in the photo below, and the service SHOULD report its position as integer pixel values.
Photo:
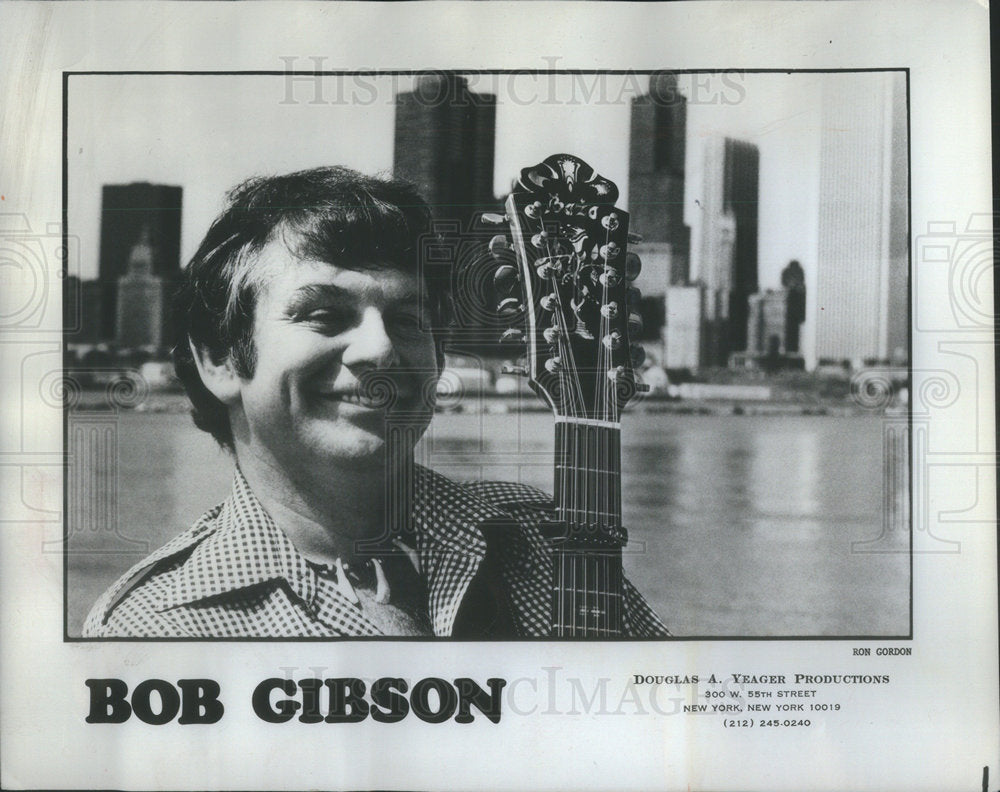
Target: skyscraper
(656, 174)
(741, 196)
(862, 251)
(444, 143)
(727, 263)
(766, 326)
(793, 281)
(126, 210)
(141, 295)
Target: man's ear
(219, 377)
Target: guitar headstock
(567, 288)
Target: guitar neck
(588, 472)
(564, 280)
(587, 583)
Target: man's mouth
(354, 398)
(374, 392)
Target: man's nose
(370, 345)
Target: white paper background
(934, 727)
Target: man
(307, 355)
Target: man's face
(319, 332)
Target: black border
(412, 72)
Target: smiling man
(312, 345)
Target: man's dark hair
(327, 214)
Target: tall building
(862, 251)
(141, 301)
(444, 143)
(741, 196)
(683, 333)
(766, 325)
(793, 280)
(727, 263)
(715, 265)
(127, 209)
(656, 175)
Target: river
(740, 526)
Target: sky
(209, 132)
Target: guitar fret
(584, 591)
(572, 627)
(589, 422)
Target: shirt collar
(246, 548)
(447, 516)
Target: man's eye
(324, 316)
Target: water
(739, 526)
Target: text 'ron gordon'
(275, 700)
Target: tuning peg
(618, 373)
(553, 364)
(609, 277)
(517, 371)
(498, 246)
(551, 334)
(491, 218)
(634, 238)
(609, 251)
(509, 307)
(634, 324)
(612, 340)
(633, 266)
(511, 336)
(539, 239)
(633, 297)
(504, 279)
(610, 221)
(609, 310)
(547, 269)
(548, 302)
(637, 354)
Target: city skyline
(535, 115)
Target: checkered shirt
(235, 574)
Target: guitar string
(579, 489)
(603, 367)
(568, 394)
(562, 345)
(561, 479)
(598, 440)
(602, 448)
(612, 503)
